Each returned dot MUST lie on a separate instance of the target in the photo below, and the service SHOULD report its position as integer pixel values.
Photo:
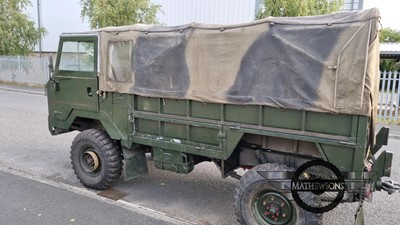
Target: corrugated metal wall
(177, 12)
(59, 16)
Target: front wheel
(260, 202)
(96, 159)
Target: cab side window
(77, 56)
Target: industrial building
(59, 16)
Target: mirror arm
(51, 67)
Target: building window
(351, 5)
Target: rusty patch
(112, 194)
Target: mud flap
(381, 139)
(135, 163)
(382, 164)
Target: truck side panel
(214, 130)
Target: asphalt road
(201, 196)
(26, 201)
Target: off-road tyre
(252, 183)
(95, 146)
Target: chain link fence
(31, 70)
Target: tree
(18, 34)
(103, 13)
(297, 7)
(389, 35)
(389, 65)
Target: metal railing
(388, 108)
(30, 70)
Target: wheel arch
(82, 120)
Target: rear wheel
(96, 159)
(261, 202)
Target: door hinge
(221, 135)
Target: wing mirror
(51, 66)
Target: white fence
(27, 70)
(389, 99)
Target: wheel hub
(90, 161)
(272, 208)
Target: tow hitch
(389, 186)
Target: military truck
(254, 98)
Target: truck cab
(74, 83)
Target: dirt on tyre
(96, 159)
(259, 202)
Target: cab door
(75, 81)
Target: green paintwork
(172, 160)
(176, 128)
(273, 208)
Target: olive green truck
(255, 98)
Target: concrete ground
(50, 203)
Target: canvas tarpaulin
(321, 63)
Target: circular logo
(317, 186)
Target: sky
(389, 10)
